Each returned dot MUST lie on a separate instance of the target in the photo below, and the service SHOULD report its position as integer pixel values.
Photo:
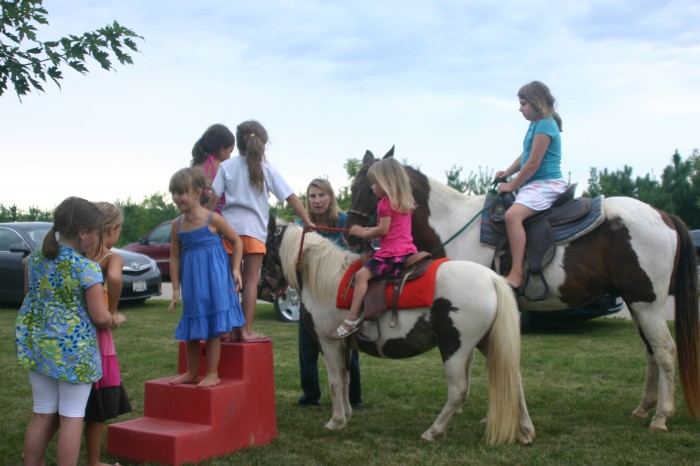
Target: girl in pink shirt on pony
(390, 184)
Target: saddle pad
(416, 293)
(562, 233)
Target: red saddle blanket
(416, 293)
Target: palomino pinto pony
(640, 253)
(472, 308)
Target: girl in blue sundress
(198, 264)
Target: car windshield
(38, 233)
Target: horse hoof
(335, 425)
(431, 436)
(639, 414)
(658, 425)
(524, 439)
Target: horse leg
(457, 389)
(468, 373)
(661, 353)
(651, 387)
(338, 383)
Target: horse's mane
(440, 193)
(323, 262)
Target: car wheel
(287, 306)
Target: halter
(273, 256)
(358, 213)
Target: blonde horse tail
(687, 334)
(504, 368)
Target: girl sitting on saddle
(539, 178)
(391, 185)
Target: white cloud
(332, 79)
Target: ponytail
(49, 248)
(252, 138)
(215, 138)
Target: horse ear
(369, 158)
(390, 153)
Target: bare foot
(251, 336)
(184, 378)
(209, 381)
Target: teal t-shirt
(550, 168)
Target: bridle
(359, 214)
(273, 261)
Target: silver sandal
(342, 332)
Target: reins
(459, 232)
(487, 206)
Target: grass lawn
(581, 382)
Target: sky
(330, 80)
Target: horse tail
(503, 362)
(687, 334)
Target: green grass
(581, 383)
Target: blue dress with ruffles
(210, 305)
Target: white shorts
(541, 194)
(55, 396)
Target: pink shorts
(541, 194)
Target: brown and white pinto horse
(639, 253)
(482, 314)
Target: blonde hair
(111, 215)
(331, 216)
(539, 96)
(252, 137)
(392, 178)
(189, 179)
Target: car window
(8, 238)
(38, 235)
(160, 235)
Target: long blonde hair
(392, 178)
(251, 139)
(331, 216)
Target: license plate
(139, 286)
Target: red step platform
(184, 423)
